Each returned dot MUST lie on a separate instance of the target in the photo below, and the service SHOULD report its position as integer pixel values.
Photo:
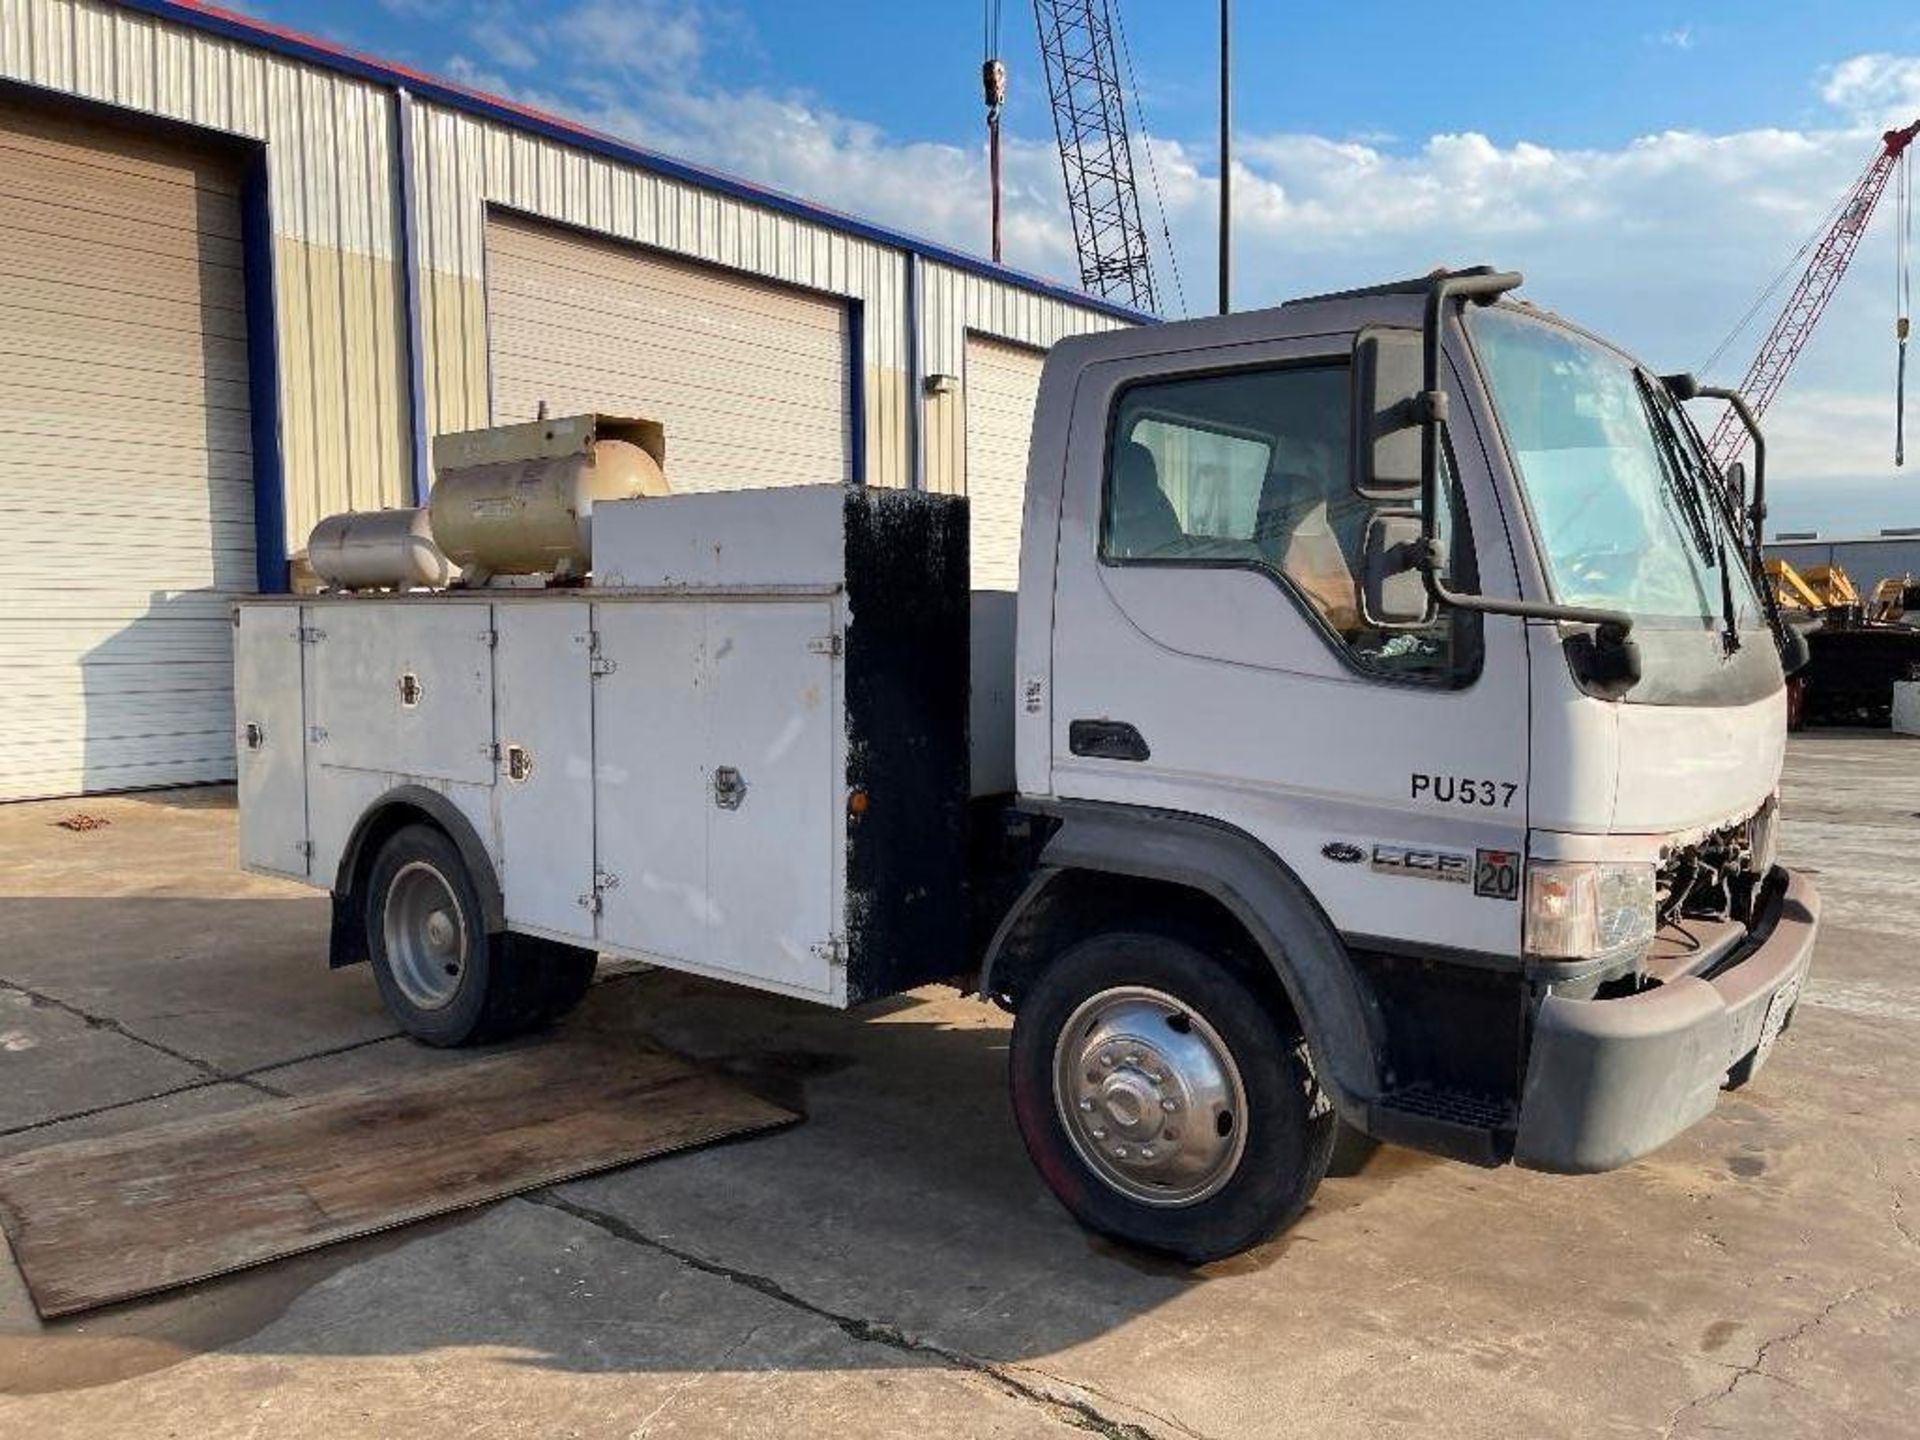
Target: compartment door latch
(729, 787)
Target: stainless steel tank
(377, 550)
(533, 515)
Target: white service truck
(1386, 729)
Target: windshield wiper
(1688, 483)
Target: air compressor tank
(377, 550)
(518, 500)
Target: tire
(1135, 1026)
(445, 980)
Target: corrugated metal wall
(467, 164)
(331, 157)
(954, 303)
(342, 392)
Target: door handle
(1106, 740)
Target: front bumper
(1609, 1080)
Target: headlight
(1585, 910)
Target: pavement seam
(212, 1072)
(1077, 1413)
(327, 1054)
(242, 1078)
(32, 1125)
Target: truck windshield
(1621, 500)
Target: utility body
(1386, 729)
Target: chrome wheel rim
(426, 936)
(1150, 1096)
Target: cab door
(1209, 655)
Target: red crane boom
(1809, 300)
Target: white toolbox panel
(270, 743)
(543, 708)
(403, 687)
(718, 783)
(651, 793)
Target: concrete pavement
(893, 1266)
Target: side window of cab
(1252, 469)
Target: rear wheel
(442, 976)
(1164, 1100)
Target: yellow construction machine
(1857, 648)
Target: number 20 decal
(1463, 790)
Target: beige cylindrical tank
(377, 550)
(531, 517)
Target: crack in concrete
(213, 1073)
(326, 1054)
(32, 1125)
(1757, 1365)
(1896, 1202)
(1899, 1217)
(1077, 1413)
(242, 1077)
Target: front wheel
(1164, 1101)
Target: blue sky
(1650, 167)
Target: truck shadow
(903, 1207)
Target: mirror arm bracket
(1611, 627)
(1606, 662)
(1757, 511)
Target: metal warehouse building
(245, 278)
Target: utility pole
(1226, 156)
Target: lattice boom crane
(1096, 158)
(1824, 272)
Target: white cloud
(1876, 89)
(1681, 37)
(656, 38)
(1660, 242)
(506, 43)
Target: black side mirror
(1393, 590)
(1736, 482)
(1387, 370)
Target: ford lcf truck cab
(1386, 730)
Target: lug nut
(1107, 1060)
(1169, 1104)
(1119, 1152)
(1086, 1107)
(1098, 1133)
(1146, 1152)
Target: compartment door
(405, 687)
(651, 796)
(543, 708)
(271, 738)
(774, 796)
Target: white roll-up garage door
(126, 495)
(749, 377)
(1001, 382)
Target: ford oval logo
(1342, 853)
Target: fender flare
(347, 947)
(1335, 1006)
